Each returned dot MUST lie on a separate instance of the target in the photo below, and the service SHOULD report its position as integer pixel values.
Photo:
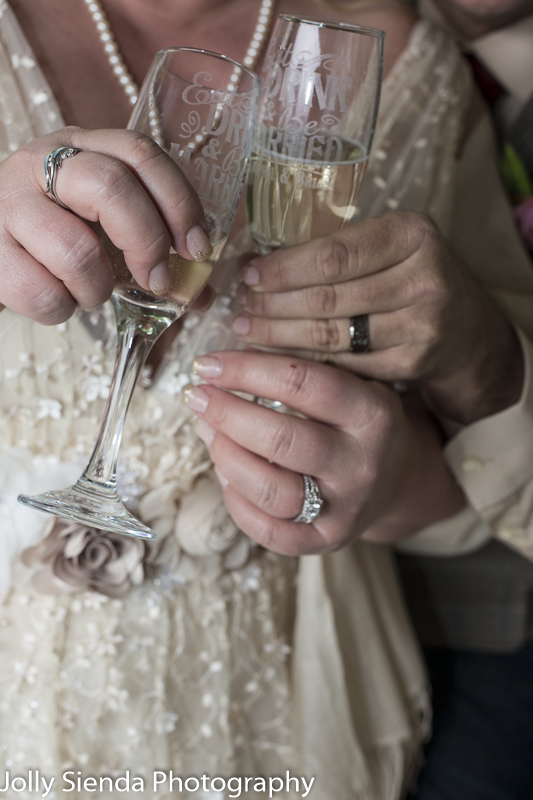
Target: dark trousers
(482, 743)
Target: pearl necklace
(120, 69)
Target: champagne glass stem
(137, 332)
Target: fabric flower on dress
(75, 558)
(524, 217)
(47, 407)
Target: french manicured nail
(222, 478)
(241, 326)
(195, 398)
(198, 243)
(242, 295)
(160, 279)
(205, 432)
(207, 367)
(251, 276)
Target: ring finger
(324, 335)
(273, 489)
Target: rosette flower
(75, 558)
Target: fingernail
(160, 279)
(195, 398)
(242, 295)
(222, 478)
(251, 276)
(204, 432)
(198, 243)
(207, 366)
(241, 326)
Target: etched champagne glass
(200, 107)
(317, 115)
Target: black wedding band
(359, 334)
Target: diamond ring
(313, 502)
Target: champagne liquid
(188, 280)
(291, 201)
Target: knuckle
(71, 130)
(155, 248)
(427, 331)
(217, 411)
(256, 302)
(332, 259)
(282, 440)
(295, 380)
(418, 227)
(431, 284)
(113, 179)
(279, 275)
(321, 300)
(427, 228)
(268, 495)
(83, 255)
(142, 149)
(408, 363)
(384, 408)
(325, 335)
(264, 332)
(186, 198)
(51, 306)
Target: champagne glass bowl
(316, 121)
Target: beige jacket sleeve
(491, 459)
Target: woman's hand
(51, 259)
(378, 467)
(428, 319)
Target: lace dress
(207, 655)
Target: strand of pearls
(111, 50)
(120, 69)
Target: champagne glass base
(90, 504)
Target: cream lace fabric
(219, 662)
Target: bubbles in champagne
(188, 280)
(291, 201)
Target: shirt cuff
(492, 459)
(455, 536)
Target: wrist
(491, 381)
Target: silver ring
(52, 165)
(313, 502)
(359, 337)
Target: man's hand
(429, 321)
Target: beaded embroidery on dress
(201, 655)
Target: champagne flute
(315, 126)
(200, 107)
(316, 121)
